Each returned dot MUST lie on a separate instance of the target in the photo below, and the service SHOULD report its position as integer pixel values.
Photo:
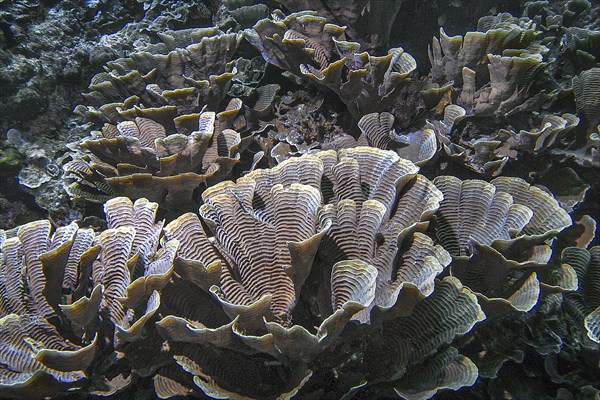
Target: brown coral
(361, 205)
(160, 86)
(585, 301)
(307, 45)
(159, 141)
(368, 22)
(34, 268)
(502, 225)
(140, 160)
(493, 72)
(418, 146)
(58, 290)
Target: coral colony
(294, 209)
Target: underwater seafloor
(309, 199)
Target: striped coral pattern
(259, 250)
(22, 338)
(587, 88)
(122, 212)
(547, 217)
(34, 238)
(149, 131)
(352, 281)
(379, 172)
(315, 49)
(420, 264)
(475, 210)
(194, 244)
(115, 272)
(451, 310)
(377, 128)
(307, 171)
(354, 229)
(13, 295)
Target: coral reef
(139, 159)
(49, 51)
(585, 263)
(69, 296)
(159, 143)
(262, 294)
(366, 22)
(274, 199)
(308, 45)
